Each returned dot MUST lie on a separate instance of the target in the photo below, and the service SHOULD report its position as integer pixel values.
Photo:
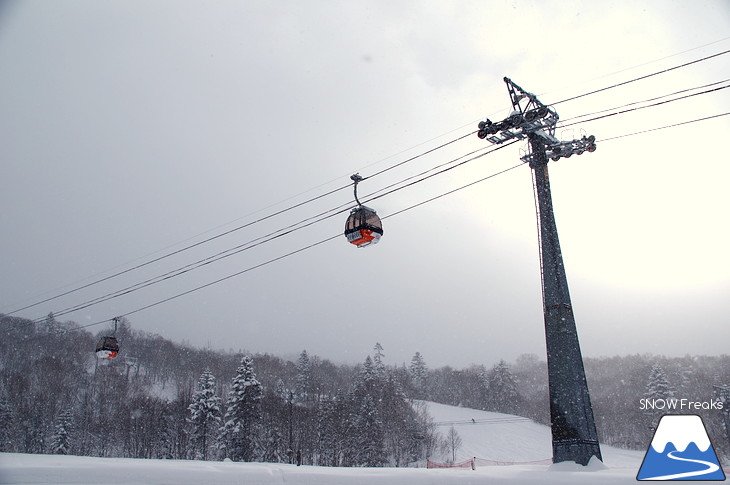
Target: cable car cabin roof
(108, 343)
(363, 218)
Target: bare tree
(452, 443)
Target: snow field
(17, 469)
(490, 436)
(508, 438)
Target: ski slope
(492, 436)
(508, 438)
(489, 436)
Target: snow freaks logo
(678, 404)
(680, 450)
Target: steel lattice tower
(573, 427)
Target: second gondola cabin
(363, 227)
(107, 348)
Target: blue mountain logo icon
(680, 450)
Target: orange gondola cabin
(107, 348)
(363, 227)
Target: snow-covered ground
(507, 438)
(487, 436)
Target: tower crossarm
(565, 149)
(528, 115)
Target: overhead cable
(304, 223)
(663, 127)
(323, 216)
(417, 156)
(607, 110)
(291, 253)
(304, 248)
(167, 255)
(225, 233)
(269, 237)
(644, 107)
(641, 77)
(322, 241)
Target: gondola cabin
(107, 348)
(363, 227)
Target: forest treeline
(159, 399)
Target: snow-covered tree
(51, 325)
(304, 376)
(657, 388)
(370, 439)
(175, 442)
(329, 425)
(658, 385)
(418, 373)
(378, 364)
(367, 375)
(400, 423)
(205, 415)
(502, 391)
(61, 441)
(274, 442)
(165, 449)
(686, 375)
(6, 423)
(280, 389)
(241, 432)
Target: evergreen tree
(280, 389)
(6, 425)
(51, 325)
(166, 448)
(274, 441)
(205, 415)
(686, 376)
(418, 373)
(61, 441)
(328, 433)
(399, 423)
(304, 376)
(658, 385)
(657, 388)
(241, 432)
(370, 441)
(367, 376)
(502, 388)
(177, 435)
(482, 388)
(378, 364)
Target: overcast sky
(131, 129)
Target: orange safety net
(463, 464)
(484, 462)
